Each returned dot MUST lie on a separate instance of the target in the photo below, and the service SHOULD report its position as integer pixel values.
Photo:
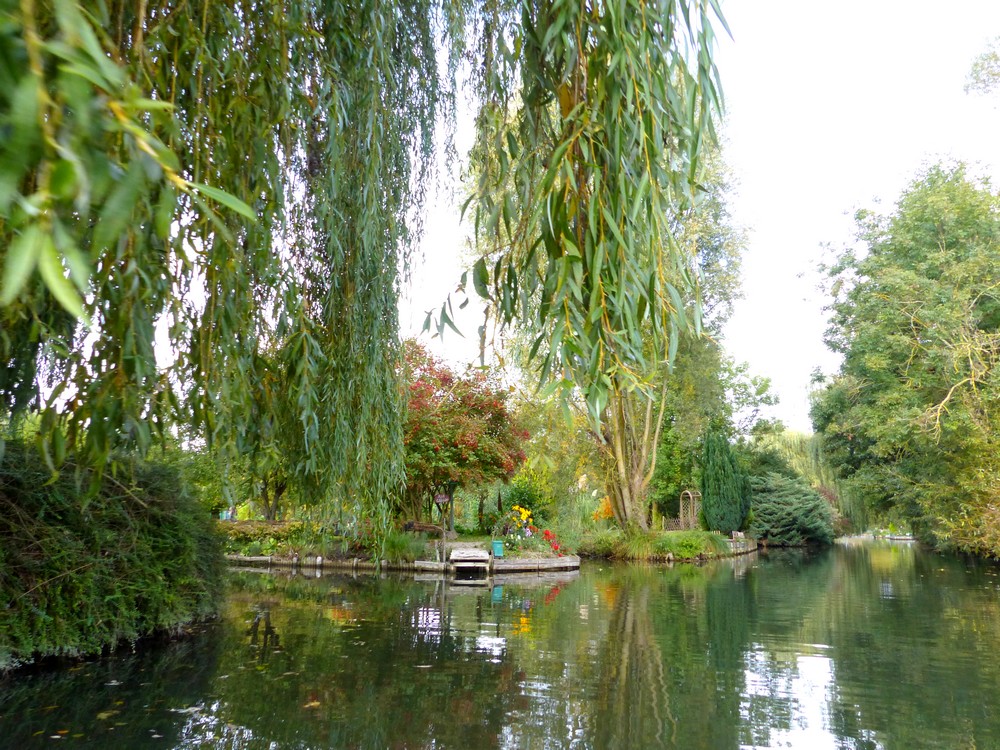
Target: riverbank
(698, 546)
(83, 574)
(280, 543)
(317, 564)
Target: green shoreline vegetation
(80, 576)
(285, 540)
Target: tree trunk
(633, 430)
(270, 504)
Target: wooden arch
(690, 508)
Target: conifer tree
(725, 491)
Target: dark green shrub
(81, 573)
(600, 543)
(401, 546)
(688, 545)
(787, 512)
(725, 487)
(265, 537)
(490, 519)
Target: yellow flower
(523, 625)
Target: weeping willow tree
(223, 180)
(238, 176)
(581, 179)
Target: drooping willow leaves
(581, 177)
(190, 189)
(236, 175)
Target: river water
(867, 645)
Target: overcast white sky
(831, 107)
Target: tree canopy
(911, 420)
(459, 429)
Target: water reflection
(869, 646)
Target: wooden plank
(429, 566)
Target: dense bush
(287, 538)
(528, 489)
(787, 512)
(79, 574)
(639, 546)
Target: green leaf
(164, 213)
(54, 277)
(446, 319)
(79, 266)
(24, 110)
(22, 256)
(613, 225)
(62, 182)
(117, 210)
(481, 278)
(226, 199)
(148, 105)
(87, 73)
(512, 146)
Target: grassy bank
(79, 575)
(638, 546)
(302, 538)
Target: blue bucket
(498, 548)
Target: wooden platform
(469, 558)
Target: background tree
(649, 437)
(911, 420)
(984, 77)
(459, 430)
(653, 438)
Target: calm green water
(871, 646)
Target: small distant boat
(900, 538)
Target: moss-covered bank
(80, 574)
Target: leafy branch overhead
(69, 94)
(581, 176)
(217, 181)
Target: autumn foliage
(458, 429)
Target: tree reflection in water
(867, 647)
